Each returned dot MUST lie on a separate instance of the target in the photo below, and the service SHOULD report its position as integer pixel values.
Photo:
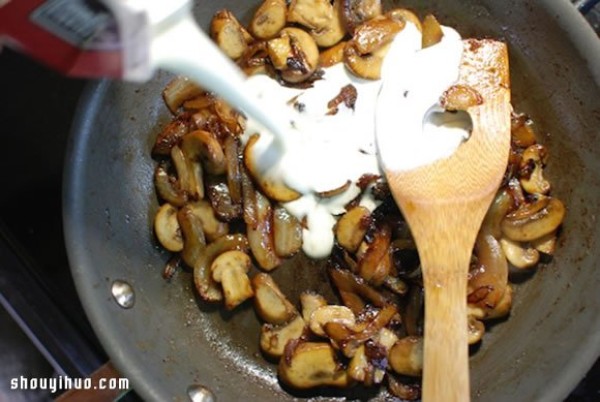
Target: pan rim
(580, 35)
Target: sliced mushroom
(405, 390)
(349, 338)
(271, 184)
(359, 367)
(322, 18)
(230, 270)
(332, 313)
(522, 132)
(273, 339)
(372, 34)
(193, 235)
(287, 233)
(432, 31)
(225, 209)
(167, 187)
(261, 236)
(310, 302)
(334, 31)
(366, 66)
(295, 54)
(406, 356)
(545, 244)
(375, 263)
(202, 101)
(475, 331)
(353, 290)
(167, 228)
(269, 19)
(518, 255)
(534, 220)
(206, 286)
(202, 145)
(488, 281)
(532, 162)
(211, 225)
(503, 307)
(311, 364)
(171, 134)
(332, 55)
(460, 97)
(232, 151)
(231, 37)
(404, 15)
(351, 228)
(355, 12)
(179, 90)
(269, 302)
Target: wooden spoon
(444, 204)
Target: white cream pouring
(322, 152)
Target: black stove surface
(43, 329)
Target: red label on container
(76, 37)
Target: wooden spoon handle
(446, 358)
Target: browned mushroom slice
(273, 339)
(294, 53)
(405, 390)
(287, 233)
(375, 263)
(211, 225)
(476, 330)
(270, 303)
(331, 313)
(406, 356)
(546, 244)
(432, 31)
(351, 228)
(311, 364)
(404, 15)
(519, 255)
(167, 228)
(534, 220)
(230, 270)
(171, 135)
(322, 18)
(332, 55)
(222, 202)
(168, 187)
(261, 236)
(311, 301)
(179, 90)
(193, 235)
(202, 145)
(269, 19)
(371, 35)
(206, 286)
(355, 12)
(232, 151)
(269, 183)
(460, 97)
(532, 164)
(353, 289)
(522, 132)
(231, 37)
(366, 66)
(488, 281)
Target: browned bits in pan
(223, 218)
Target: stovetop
(44, 331)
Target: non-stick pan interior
(169, 340)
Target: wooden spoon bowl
(444, 204)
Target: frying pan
(170, 341)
